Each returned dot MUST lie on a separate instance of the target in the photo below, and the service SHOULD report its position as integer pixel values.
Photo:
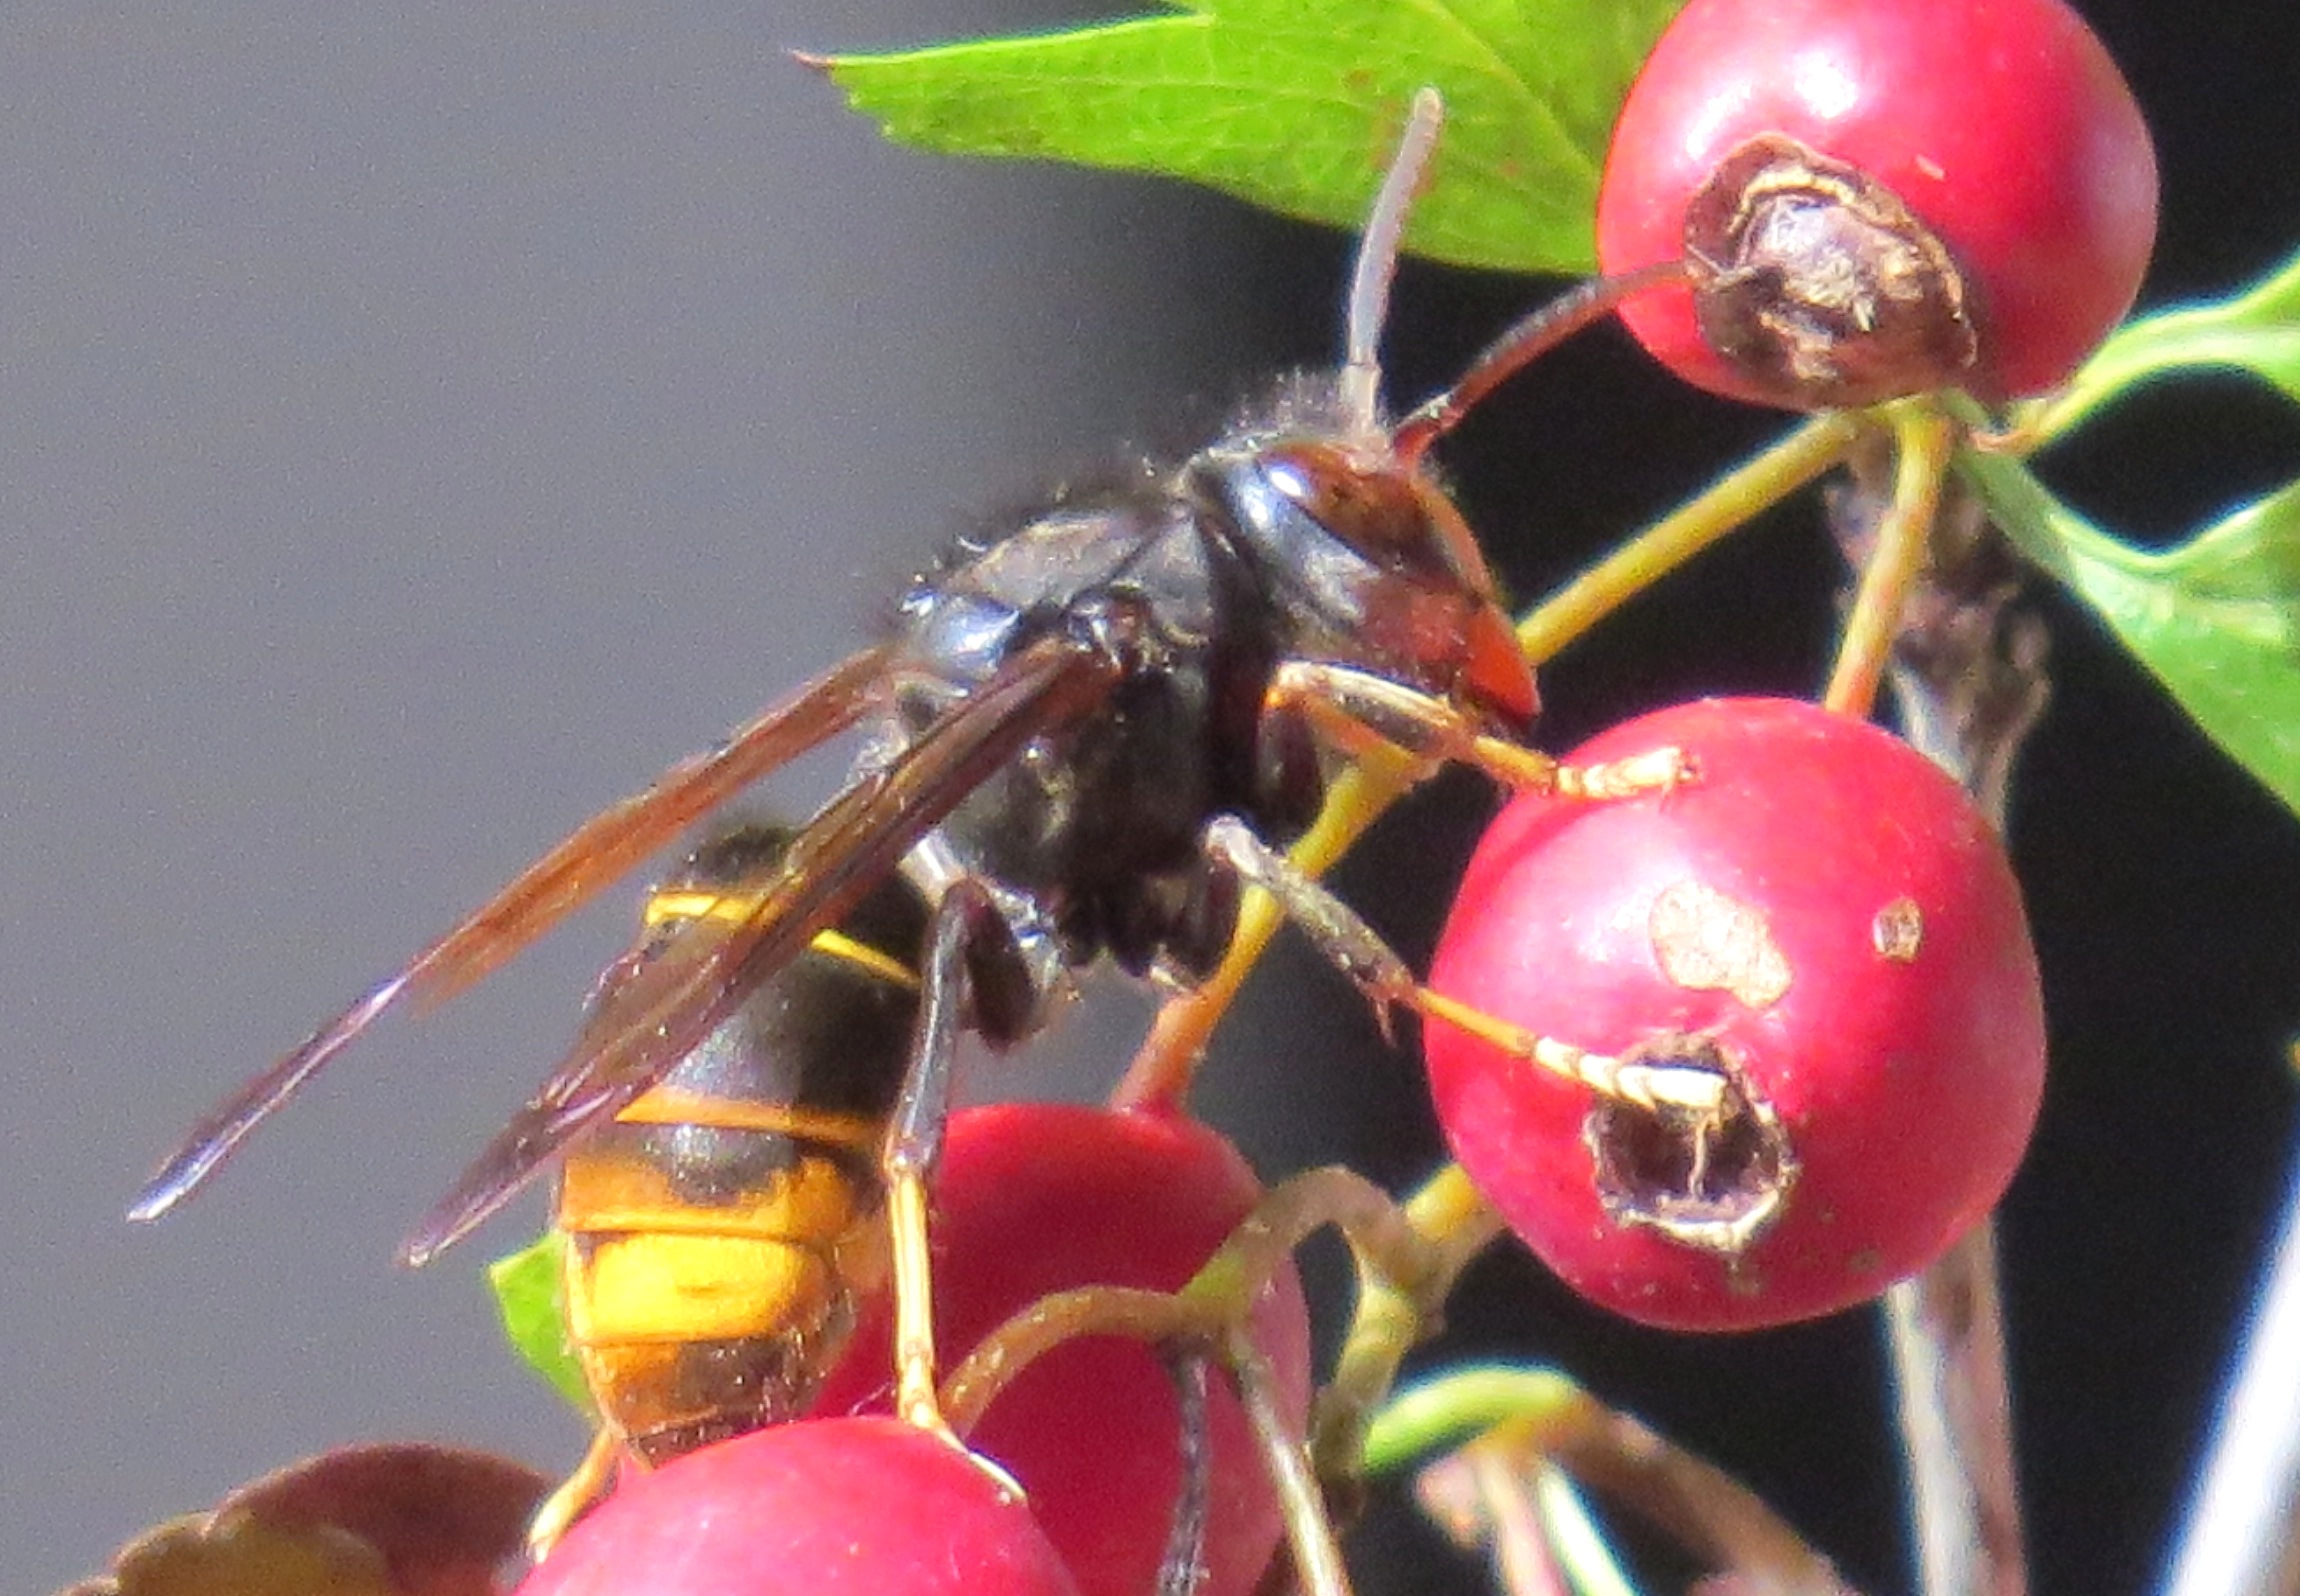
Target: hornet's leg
(576, 1495)
(963, 916)
(1357, 710)
(1680, 1090)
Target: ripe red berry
(1034, 1198)
(861, 1504)
(1879, 197)
(1819, 913)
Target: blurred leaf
(238, 1556)
(384, 1520)
(2217, 618)
(443, 1518)
(1296, 105)
(530, 1299)
(2257, 331)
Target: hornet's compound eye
(1381, 515)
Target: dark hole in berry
(1819, 284)
(1709, 1170)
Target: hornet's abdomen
(724, 1230)
(697, 1320)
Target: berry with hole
(1793, 1037)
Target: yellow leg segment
(582, 1490)
(914, 1354)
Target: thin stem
(1539, 1417)
(1529, 1520)
(1953, 1399)
(1296, 1209)
(1454, 1223)
(1455, 1216)
(1152, 1317)
(1968, 670)
(1727, 504)
(1581, 1544)
(1218, 1299)
(2237, 1538)
(1466, 1402)
(1309, 1531)
(1182, 1566)
(1522, 1560)
(1926, 438)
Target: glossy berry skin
(865, 1506)
(1034, 1198)
(1825, 913)
(2002, 126)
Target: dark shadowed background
(421, 422)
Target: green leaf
(2256, 331)
(2217, 618)
(1296, 104)
(531, 1301)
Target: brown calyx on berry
(1819, 284)
(1714, 1176)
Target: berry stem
(1378, 1230)
(2250, 329)
(1726, 505)
(1318, 1568)
(1952, 1400)
(1154, 1317)
(1220, 1298)
(1454, 1215)
(1413, 1253)
(1968, 670)
(1583, 1545)
(1437, 1414)
(1392, 1314)
(1926, 438)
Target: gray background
(420, 423)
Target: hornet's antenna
(1377, 264)
(1534, 335)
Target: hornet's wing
(599, 852)
(689, 986)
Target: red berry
(1816, 911)
(867, 1505)
(1879, 197)
(1034, 1198)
